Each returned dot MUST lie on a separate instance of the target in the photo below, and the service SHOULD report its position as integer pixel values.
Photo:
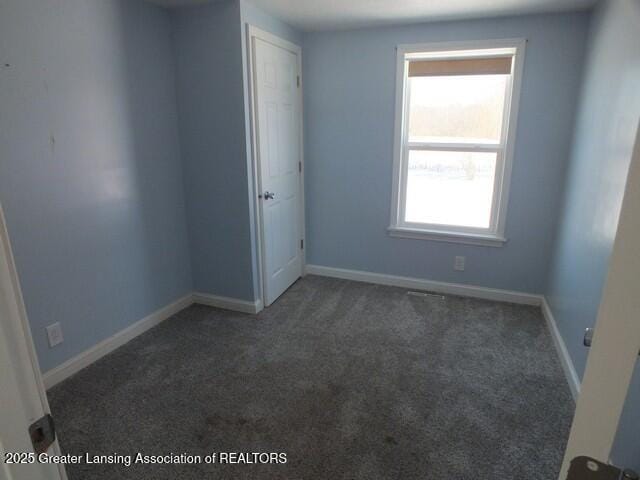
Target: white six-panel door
(277, 122)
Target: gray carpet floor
(350, 380)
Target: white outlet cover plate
(54, 334)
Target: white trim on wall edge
(467, 291)
(108, 345)
(227, 303)
(565, 359)
(430, 285)
(89, 356)
(99, 350)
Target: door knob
(269, 195)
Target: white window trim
(494, 236)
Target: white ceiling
(331, 14)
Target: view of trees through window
(466, 108)
(445, 186)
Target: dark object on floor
(587, 468)
(350, 380)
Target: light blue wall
(90, 175)
(207, 42)
(349, 88)
(605, 130)
(256, 16)
(210, 48)
(90, 160)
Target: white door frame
(255, 32)
(616, 342)
(25, 366)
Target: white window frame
(494, 235)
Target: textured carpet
(350, 380)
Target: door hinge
(585, 468)
(298, 81)
(301, 244)
(300, 167)
(42, 433)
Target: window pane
(450, 188)
(463, 108)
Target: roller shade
(462, 66)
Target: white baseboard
(467, 291)
(565, 359)
(108, 345)
(86, 358)
(429, 285)
(227, 303)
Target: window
(455, 127)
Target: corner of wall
(214, 150)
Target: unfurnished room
(319, 239)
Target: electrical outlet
(54, 334)
(458, 264)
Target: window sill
(452, 237)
